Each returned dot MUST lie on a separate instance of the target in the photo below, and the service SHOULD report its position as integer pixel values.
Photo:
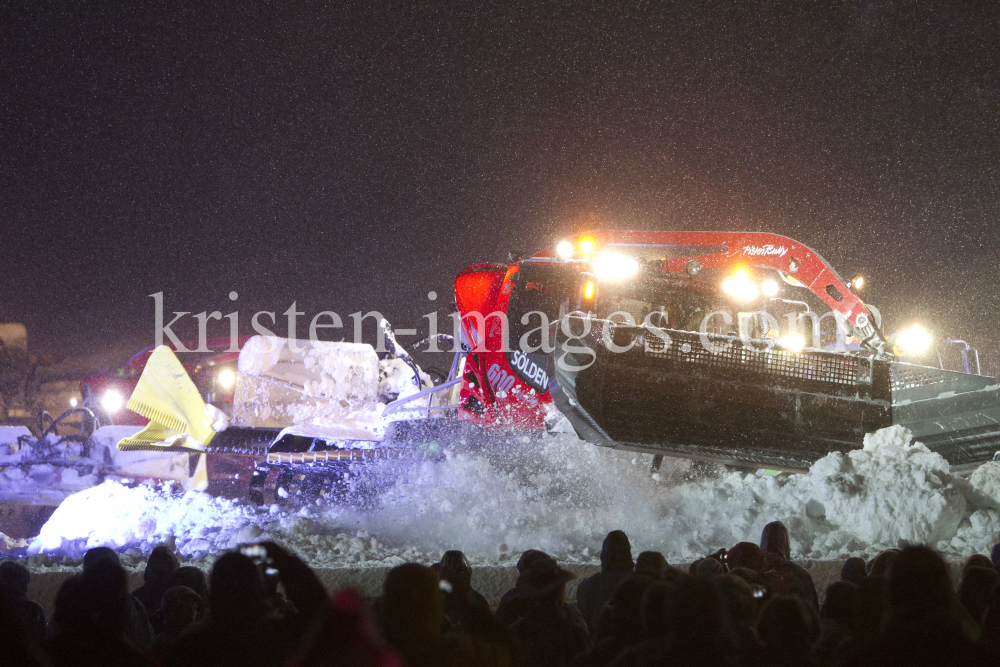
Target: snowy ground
(68, 469)
(561, 495)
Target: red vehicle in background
(213, 372)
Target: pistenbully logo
(764, 250)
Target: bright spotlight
(564, 250)
(612, 266)
(769, 287)
(792, 342)
(913, 341)
(858, 283)
(586, 246)
(112, 401)
(227, 379)
(73, 402)
(740, 287)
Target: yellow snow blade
(167, 397)
(155, 438)
(199, 480)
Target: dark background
(353, 157)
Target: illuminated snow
(562, 495)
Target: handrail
(420, 394)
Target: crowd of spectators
(748, 605)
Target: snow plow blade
(167, 397)
(310, 411)
(714, 398)
(329, 390)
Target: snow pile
(120, 517)
(65, 470)
(985, 485)
(563, 495)
(9, 435)
(982, 529)
(494, 499)
(890, 491)
(196, 524)
(20, 479)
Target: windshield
(669, 303)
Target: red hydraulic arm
(702, 250)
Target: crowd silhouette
(749, 605)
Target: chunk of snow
(985, 482)
(10, 434)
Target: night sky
(356, 157)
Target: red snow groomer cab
(213, 370)
(738, 348)
(506, 384)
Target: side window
(539, 290)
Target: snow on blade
(282, 382)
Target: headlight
(792, 342)
(112, 401)
(769, 287)
(564, 249)
(226, 379)
(740, 287)
(612, 266)
(913, 341)
(73, 402)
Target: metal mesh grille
(655, 343)
(906, 377)
(728, 355)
